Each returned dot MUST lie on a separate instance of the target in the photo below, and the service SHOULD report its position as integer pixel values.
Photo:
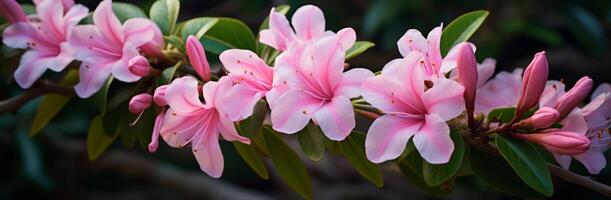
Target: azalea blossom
(44, 37)
(500, 92)
(189, 121)
(412, 111)
(318, 89)
(106, 48)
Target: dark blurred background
(54, 164)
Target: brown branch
(40, 88)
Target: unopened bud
(533, 83)
(139, 66)
(543, 118)
(140, 102)
(559, 141)
(159, 95)
(568, 101)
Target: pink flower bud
(12, 11)
(140, 102)
(543, 118)
(466, 66)
(197, 57)
(559, 141)
(533, 83)
(159, 95)
(139, 66)
(568, 101)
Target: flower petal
(239, 102)
(178, 129)
(29, 69)
(280, 34)
(347, 38)
(120, 69)
(433, 140)
(445, 99)
(19, 35)
(91, 78)
(138, 31)
(388, 136)
(182, 95)
(563, 160)
(108, 24)
(247, 64)
(350, 85)
(485, 70)
(209, 155)
(309, 22)
(385, 93)
(593, 159)
(336, 118)
(228, 131)
(412, 40)
(292, 111)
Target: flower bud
(568, 101)
(197, 58)
(533, 83)
(139, 103)
(543, 118)
(159, 95)
(139, 66)
(12, 11)
(559, 141)
(466, 66)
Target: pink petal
(182, 95)
(553, 90)
(309, 22)
(60, 61)
(433, 140)
(434, 41)
(211, 96)
(91, 78)
(385, 94)
(575, 123)
(293, 111)
(108, 24)
(485, 70)
(336, 118)
(388, 136)
(324, 63)
(594, 160)
(601, 89)
(120, 69)
(449, 62)
(52, 14)
(154, 144)
(228, 131)
(20, 35)
(445, 99)
(563, 160)
(407, 69)
(209, 155)
(178, 129)
(89, 43)
(29, 69)
(347, 38)
(412, 40)
(12, 11)
(502, 91)
(138, 31)
(350, 85)
(247, 64)
(280, 34)
(239, 102)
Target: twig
(40, 88)
(370, 115)
(580, 180)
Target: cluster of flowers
(418, 94)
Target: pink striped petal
(412, 40)
(593, 159)
(228, 131)
(182, 95)
(433, 140)
(347, 38)
(309, 22)
(209, 156)
(295, 111)
(29, 69)
(91, 78)
(445, 99)
(336, 118)
(350, 85)
(138, 31)
(388, 136)
(108, 24)
(20, 35)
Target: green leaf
(51, 104)
(411, 167)
(102, 96)
(215, 45)
(527, 162)
(234, 32)
(354, 150)
(497, 174)
(125, 11)
(506, 114)
(164, 13)
(461, 29)
(168, 74)
(97, 139)
(288, 164)
(175, 41)
(282, 9)
(311, 141)
(198, 27)
(435, 175)
(251, 126)
(358, 48)
(252, 158)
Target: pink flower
(251, 80)
(106, 47)
(500, 92)
(411, 110)
(12, 11)
(542, 118)
(533, 83)
(318, 89)
(597, 114)
(139, 66)
(140, 102)
(188, 120)
(432, 63)
(568, 101)
(44, 38)
(197, 58)
(309, 24)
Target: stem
(370, 115)
(40, 88)
(580, 180)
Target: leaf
(97, 139)
(461, 29)
(102, 96)
(311, 141)
(198, 27)
(168, 74)
(215, 45)
(252, 158)
(251, 126)
(175, 41)
(358, 48)
(411, 167)
(527, 162)
(234, 32)
(51, 104)
(435, 175)
(125, 11)
(353, 148)
(282, 9)
(288, 164)
(164, 13)
(498, 175)
(506, 114)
